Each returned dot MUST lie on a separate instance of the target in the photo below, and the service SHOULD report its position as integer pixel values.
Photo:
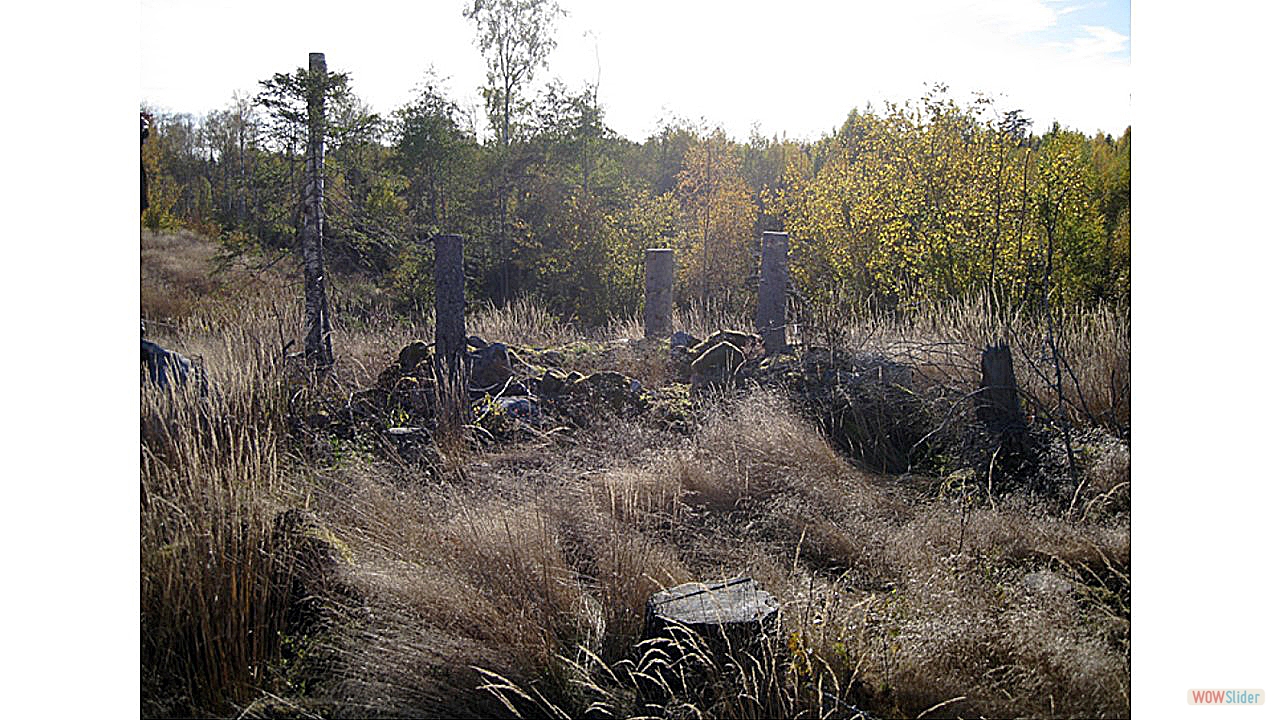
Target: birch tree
(516, 38)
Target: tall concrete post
(451, 331)
(658, 266)
(771, 311)
(318, 346)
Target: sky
(794, 68)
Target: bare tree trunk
(318, 347)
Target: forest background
(902, 204)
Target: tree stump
(997, 399)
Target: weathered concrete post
(452, 397)
(771, 312)
(730, 619)
(318, 347)
(658, 264)
(997, 398)
(451, 331)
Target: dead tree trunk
(318, 347)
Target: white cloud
(1011, 17)
(1099, 41)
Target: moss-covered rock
(716, 365)
(553, 382)
(672, 407)
(741, 340)
(412, 354)
(607, 390)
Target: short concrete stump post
(771, 311)
(739, 606)
(997, 399)
(725, 618)
(453, 406)
(658, 266)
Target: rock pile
(877, 410)
(506, 391)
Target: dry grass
(212, 480)
(899, 602)
(516, 580)
(176, 274)
(946, 341)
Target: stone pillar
(451, 332)
(318, 346)
(771, 312)
(658, 264)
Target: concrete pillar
(997, 398)
(658, 264)
(451, 331)
(771, 311)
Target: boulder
(742, 341)
(1046, 582)
(490, 367)
(608, 389)
(520, 408)
(515, 388)
(681, 338)
(413, 445)
(389, 376)
(412, 354)
(553, 382)
(716, 364)
(164, 367)
(551, 357)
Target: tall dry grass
(517, 580)
(527, 579)
(212, 482)
(945, 341)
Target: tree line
(899, 206)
